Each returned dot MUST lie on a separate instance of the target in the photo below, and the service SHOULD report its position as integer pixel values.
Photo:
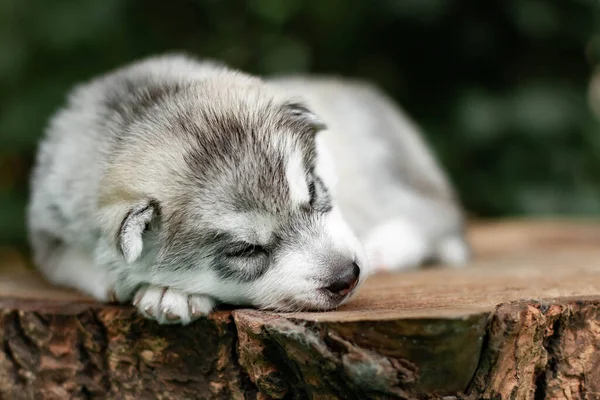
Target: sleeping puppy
(177, 184)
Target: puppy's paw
(171, 306)
(396, 245)
(454, 251)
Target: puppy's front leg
(171, 306)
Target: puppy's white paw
(171, 306)
(396, 245)
(453, 251)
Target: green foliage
(499, 86)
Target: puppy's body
(179, 184)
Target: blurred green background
(500, 86)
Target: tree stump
(522, 322)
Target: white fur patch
(340, 232)
(296, 177)
(396, 245)
(75, 268)
(325, 166)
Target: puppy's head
(238, 203)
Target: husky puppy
(177, 184)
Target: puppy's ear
(138, 220)
(302, 114)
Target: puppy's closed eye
(245, 250)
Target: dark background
(499, 86)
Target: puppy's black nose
(346, 281)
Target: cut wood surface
(521, 322)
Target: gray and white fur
(178, 184)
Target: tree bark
(522, 322)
